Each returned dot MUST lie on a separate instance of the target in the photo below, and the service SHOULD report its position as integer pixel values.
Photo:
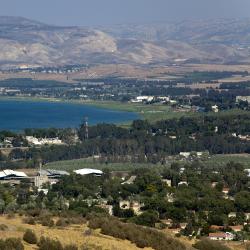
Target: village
(232, 224)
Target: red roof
(236, 228)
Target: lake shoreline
(25, 112)
(113, 105)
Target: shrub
(206, 244)
(30, 237)
(49, 244)
(71, 247)
(34, 212)
(11, 215)
(91, 247)
(62, 223)
(3, 227)
(47, 222)
(88, 232)
(141, 236)
(11, 244)
(29, 220)
(148, 218)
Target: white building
(185, 154)
(9, 174)
(182, 183)
(248, 171)
(163, 98)
(168, 182)
(43, 141)
(88, 171)
(243, 98)
(143, 98)
(215, 108)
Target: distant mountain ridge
(24, 41)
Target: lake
(17, 115)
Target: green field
(213, 161)
(221, 160)
(71, 165)
(151, 112)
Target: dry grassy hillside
(75, 234)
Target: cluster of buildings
(243, 98)
(50, 176)
(43, 141)
(189, 155)
(43, 176)
(242, 137)
(145, 98)
(7, 142)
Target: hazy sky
(102, 12)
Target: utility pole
(86, 128)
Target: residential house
(221, 236)
(232, 215)
(247, 215)
(130, 180)
(134, 205)
(183, 225)
(215, 108)
(168, 182)
(124, 204)
(214, 184)
(237, 228)
(225, 192)
(167, 222)
(182, 183)
(108, 208)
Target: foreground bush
(70, 247)
(206, 244)
(29, 220)
(49, 244)
(141, 236)
(30, 237)
(3, 227)
(47, 222)
(62, 223)
(11, 244)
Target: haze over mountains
(23, 41)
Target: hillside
(32, 43)
(77, 234)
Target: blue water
(17, 115)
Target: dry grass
(122, 70)
(69, 235)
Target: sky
(106, 12)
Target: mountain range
(31, 43)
